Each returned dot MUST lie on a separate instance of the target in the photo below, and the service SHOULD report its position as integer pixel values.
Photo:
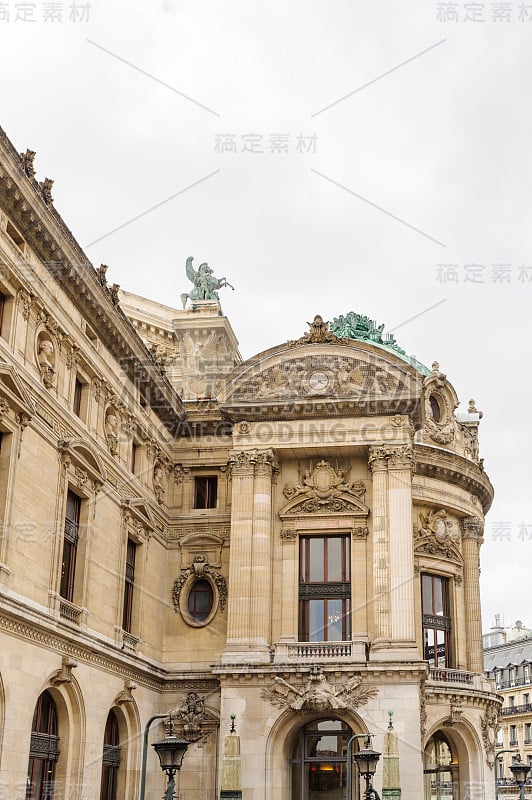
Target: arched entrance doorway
(44, 750)
(440, 769)
(319, 762)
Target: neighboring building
(508, 663)
(293, 539)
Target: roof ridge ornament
(362, 328)
(319, 333)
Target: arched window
(200, 600)
(44, 750)
(440, 769)
(110, 759)
(435, 409)
(319, 761)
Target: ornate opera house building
(287, 546)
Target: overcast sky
(409, 142)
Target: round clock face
(318, 381)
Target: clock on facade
(318, 381)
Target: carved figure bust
(111, 430)
(158, 483)
(46, 360)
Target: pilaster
(261, 566)
(381, 556)
(239, 629)
(400, 468)
(472, 530)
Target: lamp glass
(170, 751)
(366, 760)
(520, 771)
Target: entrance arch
(440, 769)
(319, 760)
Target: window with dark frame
(200, 600)
(110, 759)
(44, 750)
(129, 584)
(70, 546)
(436, 621)
(134, 457)
(324, 589)
(435, 408)
(205, 491)
(78, 393)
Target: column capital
(472, 528)
(242, 461)
(377, 458)
(392, 456)
(265, 461)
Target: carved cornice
(452, 468)
(53, 243)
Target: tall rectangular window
(205, 491)
(70, 546)
(513, 735)
(78, 391)
(129, 583)
(324, 589)
(436, 621)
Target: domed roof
(358, 326)
(323, 373)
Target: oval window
(435, 409)
(200, 600)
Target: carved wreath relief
(199, 569)
(324, 488)
(318, 695)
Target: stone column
(472, 530)
(400, 466)
(359, 581)
(380, 594)
(238, 642)
(261, 566)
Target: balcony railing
(520, 709)
(513, 683)
(451, 676)
(312, 650)
(69, 611)
(130, 642)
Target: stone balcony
(326, 652)
(456, 677)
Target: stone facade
(292, 540)
(508, 662)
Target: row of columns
(392, 594)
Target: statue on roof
(206, 284)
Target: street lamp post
(497, 754)
(350, 762)
(366, 760)
(170, 751)
(520, 770)
(176, 744)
